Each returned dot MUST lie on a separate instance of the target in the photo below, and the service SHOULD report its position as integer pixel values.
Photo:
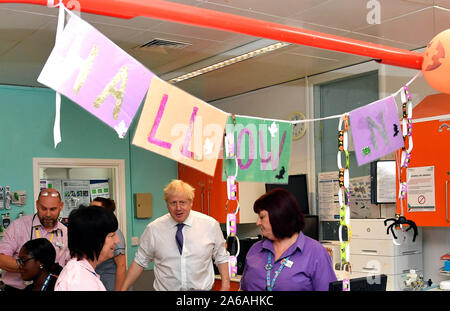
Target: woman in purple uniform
(285, 259)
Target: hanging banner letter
(263, 149)
(376, 130)
(95, 73)
(181, 127)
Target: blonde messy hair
(178, 186)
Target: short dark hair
(41, 250)
(285, 215)
(87, 229)
(109, 204)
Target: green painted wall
(26, 124)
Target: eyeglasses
(174, 203)
(45, 193)
(21, 262)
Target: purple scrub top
(311, 268)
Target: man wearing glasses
(181, 244)
(43, 224)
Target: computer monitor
(368, 283)
(298, 186)
(311, 228)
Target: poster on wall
(261, 150)
(51, 183)
(100, 189)
(360, 199)
(421, 189)
(328, 189)
(75, 193)
(95, 73)
(181, 127)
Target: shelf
(444, 273)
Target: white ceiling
(27, 34)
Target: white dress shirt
(193, 269)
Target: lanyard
(51, 237)
(36, 228)
(44, 286)
(268, 267)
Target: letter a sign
(93, 72)
(375, 130)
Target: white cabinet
(372, 251)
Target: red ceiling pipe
(191, 15)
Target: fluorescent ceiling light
(229, 61)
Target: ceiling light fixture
(229, 61)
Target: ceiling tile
(281, 8)
(138, 23)
(162, 60)
(262, 71)
(241, 12)
(442, 20)
(415, 29)
(193, 31)
(7, 45)
(15, 25)
(378, 40)
(351, 14)
(30, 9)
(443, 3)
(27, 34)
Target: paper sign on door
(421, 189)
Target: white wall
(75, 173)
(278, 101)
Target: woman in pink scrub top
(91, 238)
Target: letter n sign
(374, 130)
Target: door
(210, 192)
(197, 180)
(431, 148)
(117, 167)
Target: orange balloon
(436, 62)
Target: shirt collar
(188, 221)
(37, 222)
(85, 264)
(299, 243)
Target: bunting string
(179, 126)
